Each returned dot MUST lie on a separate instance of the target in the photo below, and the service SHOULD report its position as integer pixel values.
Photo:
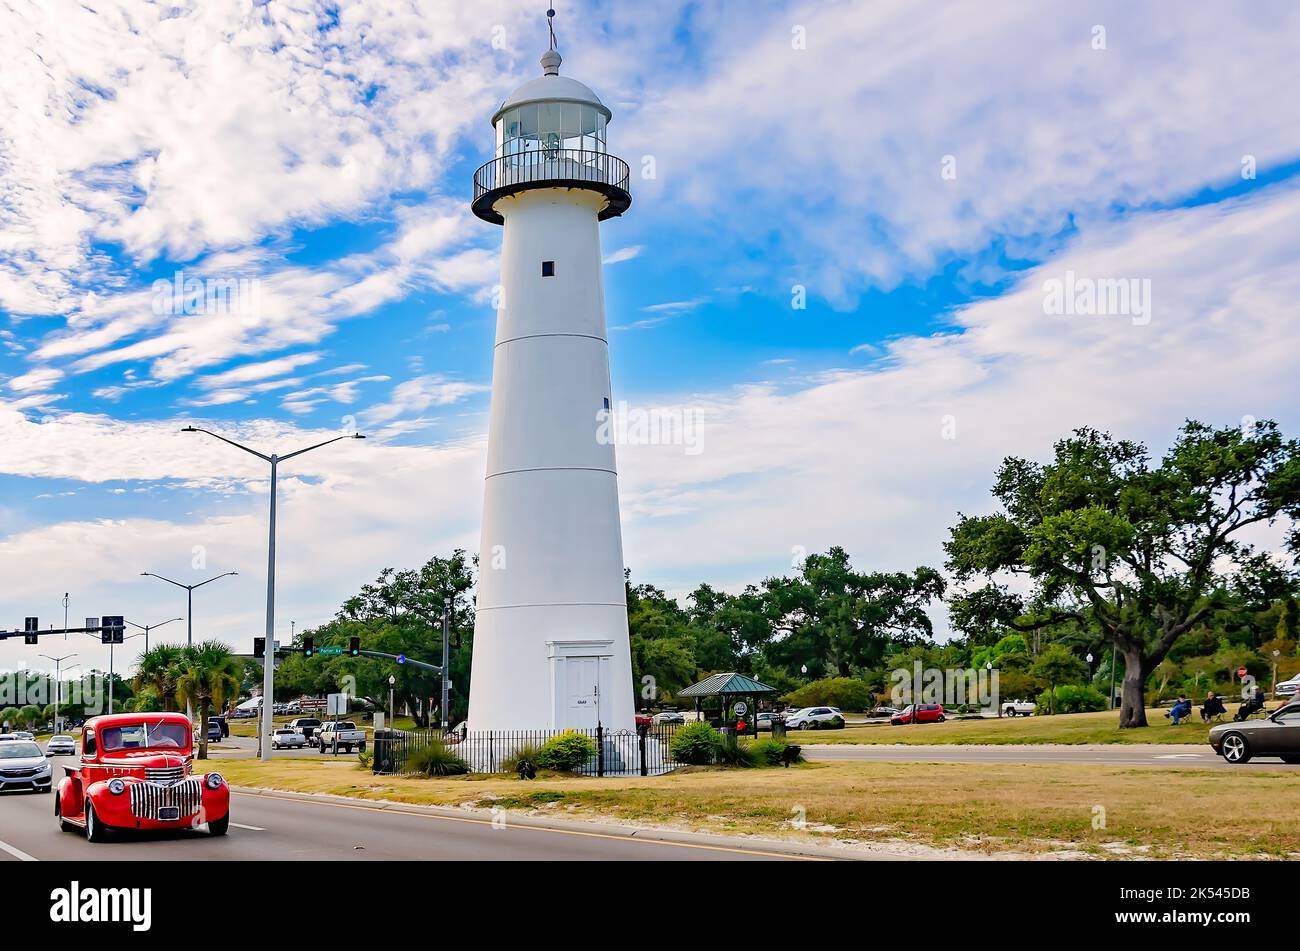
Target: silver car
(1275, 735)
(61, 745)
(24, 766)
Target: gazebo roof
(724, 684)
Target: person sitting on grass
(1181, 708)
(1212, 708)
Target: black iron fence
(646, 751)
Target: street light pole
(446, 665)
(65, 616)
(149, 627)
(189, 592)
(268, 667)
(57, 683)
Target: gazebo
(729, 688)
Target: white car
(24, 735)
(287, 739)
(24, 766)
(805, 718)
(61, 745)
(1287, 688)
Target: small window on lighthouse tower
(548, 269)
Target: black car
(1277, 734)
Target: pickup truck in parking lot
(341, 734)
(1018, 708)
(308, 727)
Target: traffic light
(259, 647)
(30, 639)
(112, 629)
(31, 625)
(308, 647)
(354, 646)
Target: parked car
(283, 739)
(341, 735)
(883, 711)
(24, 766)
(1287, 688)
(668, 716)
(61, 745)
(1019, 708)
(812, 718)
(1277, 734)
(924, 713)
(308, 727)
(644, 719)
(765, 720)
(214, 732)
(25, 735)
(135, 774)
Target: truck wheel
(96, 831)
(219, 826)
(362, 747)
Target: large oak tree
(1145, 552)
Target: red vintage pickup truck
(135, 774)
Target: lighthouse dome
(551, 87)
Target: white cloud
(623, 254)
(40, 379)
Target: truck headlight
(214, 781)
(116, 787)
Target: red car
(928, 713)
(135, 774)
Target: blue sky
(325, 152)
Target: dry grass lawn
(1049, 810)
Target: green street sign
(329, 651)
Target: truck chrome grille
(164, 775)
(148, 798)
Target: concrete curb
(795, 850)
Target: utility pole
(268, 668)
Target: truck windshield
(144, 736)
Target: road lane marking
(19, 854)
(240, 825)
(593, 835)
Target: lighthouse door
(582, 688)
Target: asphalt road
(1199, 757)
(272, 829)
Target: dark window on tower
(548, 269)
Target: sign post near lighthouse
(550, 632)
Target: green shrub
(847, 693)
(769, 751)
(366, 760)
(735, 753)
(529, 752)
(834, 723)
(437, 759)
(567, 752)
(695, 745)
(1071, 698)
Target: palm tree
(156, 670)
(207, 673)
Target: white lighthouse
(550, 632)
